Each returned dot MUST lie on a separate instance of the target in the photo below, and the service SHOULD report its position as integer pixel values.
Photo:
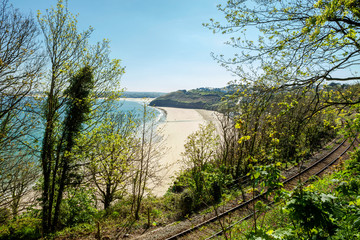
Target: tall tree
(68, 51)
(78, 107)
(146, 164)
(20, 69)
(113, 149)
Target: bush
(120, 209)
(5, 215)
(186, 203)
(79, 207)
(200, 188)
(313, 211)
(21, 228)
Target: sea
(133, 106)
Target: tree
(111, 157)
(300, 46)
(67, 52)
(20, 61)
(145, 165)
(300, 43)
(78, 107)
(274, 126)
(18, 174)
(200, 151)
(20, 69)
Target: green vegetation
(326, 209)
(77, 71)
(273, 131)
(276, 117)
(201, 98)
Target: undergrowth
(328, 208)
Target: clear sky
(162, 43)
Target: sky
(162, 43)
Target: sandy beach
(139, 100)
(179, 124)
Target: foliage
(199, 157)
(78, 71)
(4, 215)
(285, 111)
(110, 149)
(271, 126)
(329, 208)
(21, 64)
(213, 183)
(21, 228)
(78, 207)
(299, 43)
(313, 211)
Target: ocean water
(136, 106)
(28, 146)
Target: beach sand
(179, 124)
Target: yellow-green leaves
(244, 139)
(297, 41)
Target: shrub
(186, 203)
(313, 211)
(78, 207)
(21, 228)
(5, 215)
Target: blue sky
(162, 43)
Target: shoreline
(174, 125)
(141, 100)
(178, 125)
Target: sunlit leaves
(110, 152)
(303, 42)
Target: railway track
(315, 169)
(209, 228)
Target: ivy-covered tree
(78, 107)
(68, 52)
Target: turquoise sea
(135, 106)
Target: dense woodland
(88, 172)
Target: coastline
(140, 100)
(179, 124)
(174, 125)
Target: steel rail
(242, 205)
(288, 180)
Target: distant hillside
(201, 98)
